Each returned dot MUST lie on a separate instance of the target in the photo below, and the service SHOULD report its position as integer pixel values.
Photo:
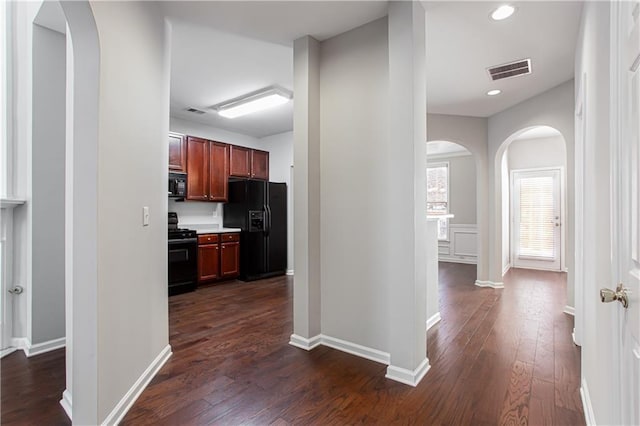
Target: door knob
(16, 290)
(620, 294)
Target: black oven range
(183, 258)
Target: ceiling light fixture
(253, 102)
(503, 12)
(494, 92)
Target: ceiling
(224, 49)
(462, 41)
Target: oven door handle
(183, 241)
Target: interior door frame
(562, 203)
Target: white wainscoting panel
(462, 246)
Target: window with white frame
(438, 195)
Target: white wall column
(407, 245)
(306, 207)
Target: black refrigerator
(259, 209)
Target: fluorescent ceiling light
(494, 92)
(254, 102)
(503, 12)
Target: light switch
(145, 216)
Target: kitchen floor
(497, 357)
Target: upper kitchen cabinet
(239, 161)
(218, 171)
(197, 169)
(248, 163)
(259, 164)
(177, 152)
(207, 170)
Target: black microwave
(177, 185)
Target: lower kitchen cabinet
(218, 256)
(229, 260)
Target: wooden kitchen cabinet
(218, 171)
(218, 256)
(248, 163)
(207, 170)
(197, 169)
(208, 262)
(259, 164)
(177, 152)
(229, 260)
(239, 161)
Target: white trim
(7, 351)
(66, 403)
(573, 337)
(44, 347)
(444, 155)
(490, 284)
(433, 320)
(20, 343)
(9, 203)
(468, 261)
(341, 345)
(586, 404)
(356, 349)
(304, 343)
(408, 377)
(117, 414)
(506, 269)
(569, 310)
(289, 272)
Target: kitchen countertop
(210, 229)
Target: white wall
(470, 132)
(554, 108)
(133, 154)
(537, 153)
(353, 131)
(47, 292)
(592, 76)
(280, 149)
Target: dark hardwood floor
(497, 357)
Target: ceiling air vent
(195, 111)
(512, 69)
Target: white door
(626, 203)
(6, 301)
(535, 207)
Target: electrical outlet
(145, 216)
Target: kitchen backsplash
(196, 213)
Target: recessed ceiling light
(494, 92)
(503, 12)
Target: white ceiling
(462, 41)
(224, 49)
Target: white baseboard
(7, 351)
(66, 403)
(586, 404)
(289, 272)
(119, 411)
(569, 310)
(20, 343)
(408, 377)
(433, 320)
(356, 349)
(449, 259)
(304, 343)
(506, 269)
(490, 284)
(44, 347)
(341, 345)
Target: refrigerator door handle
(266, 221)
(269, 219)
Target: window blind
(537, 218)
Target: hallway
(497, 357)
